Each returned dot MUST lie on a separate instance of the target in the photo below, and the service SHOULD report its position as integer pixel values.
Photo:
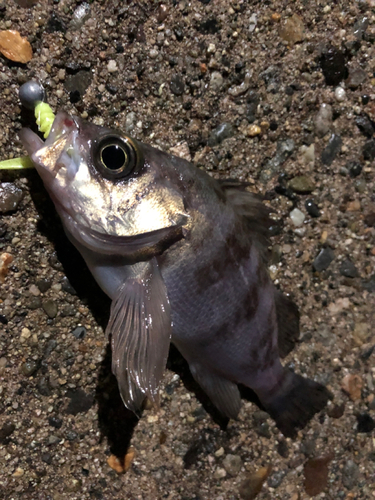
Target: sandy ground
(170, 75)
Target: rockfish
(184, 259)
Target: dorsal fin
(252, 209)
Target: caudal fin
(296, 401)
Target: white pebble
(297, 217)
(112, 66)
(340, 94)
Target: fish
(184, 260)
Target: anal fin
(223, 393)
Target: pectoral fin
(140, 327)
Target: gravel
(197, 73)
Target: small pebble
(354, 168)
(29, 368)
(177, 85)
(298, 217)
(348, 269)
(216, 81)
(312, 208)
(79, 332)
(112, 66)
(232, 464)
(50, 308)
(368, 150)
(292, 30)
(323, 120)
(365, 423)
(220, 133)
(357, 76)
(340, 94)
(301, 184)
(10, 197)
(323, 260)
(252, 485)
(220, 473)
(253, 130)
(352, 385)
(332, 149)
(350, 474)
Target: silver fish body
(183, 258)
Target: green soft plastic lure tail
(32, 97)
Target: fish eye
(116, 156)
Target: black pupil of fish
(114, 157)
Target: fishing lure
(32, 96)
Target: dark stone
(333, 64)
(369, 219)
(263, 430)
(368, 150)
(47, 458)
(308, 447)
(323, 260)
(74, 96)
(50, 308)
(112, 89)
(80, 402)
(350, 474)
(312, 208)
(7, 430)
(365, 125)
(209, 27)
(365, 423)
(282, 448)
(55, 422)
(10, 197)
(68, 310)
(29, 367)
(220, 133)
(336, 411)
(34, 303)
(54, 262)
(276, 478)
(179, 35)
(370, 284)
(177, 85)
(365, 99)
(55, 23)
(354, 168)
(360, 27)
(44, 387)
(331, 150)
(71, 436)
(51, 346)
(348, 269)
(79, 332)
(43, 285)
(3, 319)
(273, 126)
(67, 287)
(3, 229)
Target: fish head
(111, 194)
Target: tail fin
(295, 402)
